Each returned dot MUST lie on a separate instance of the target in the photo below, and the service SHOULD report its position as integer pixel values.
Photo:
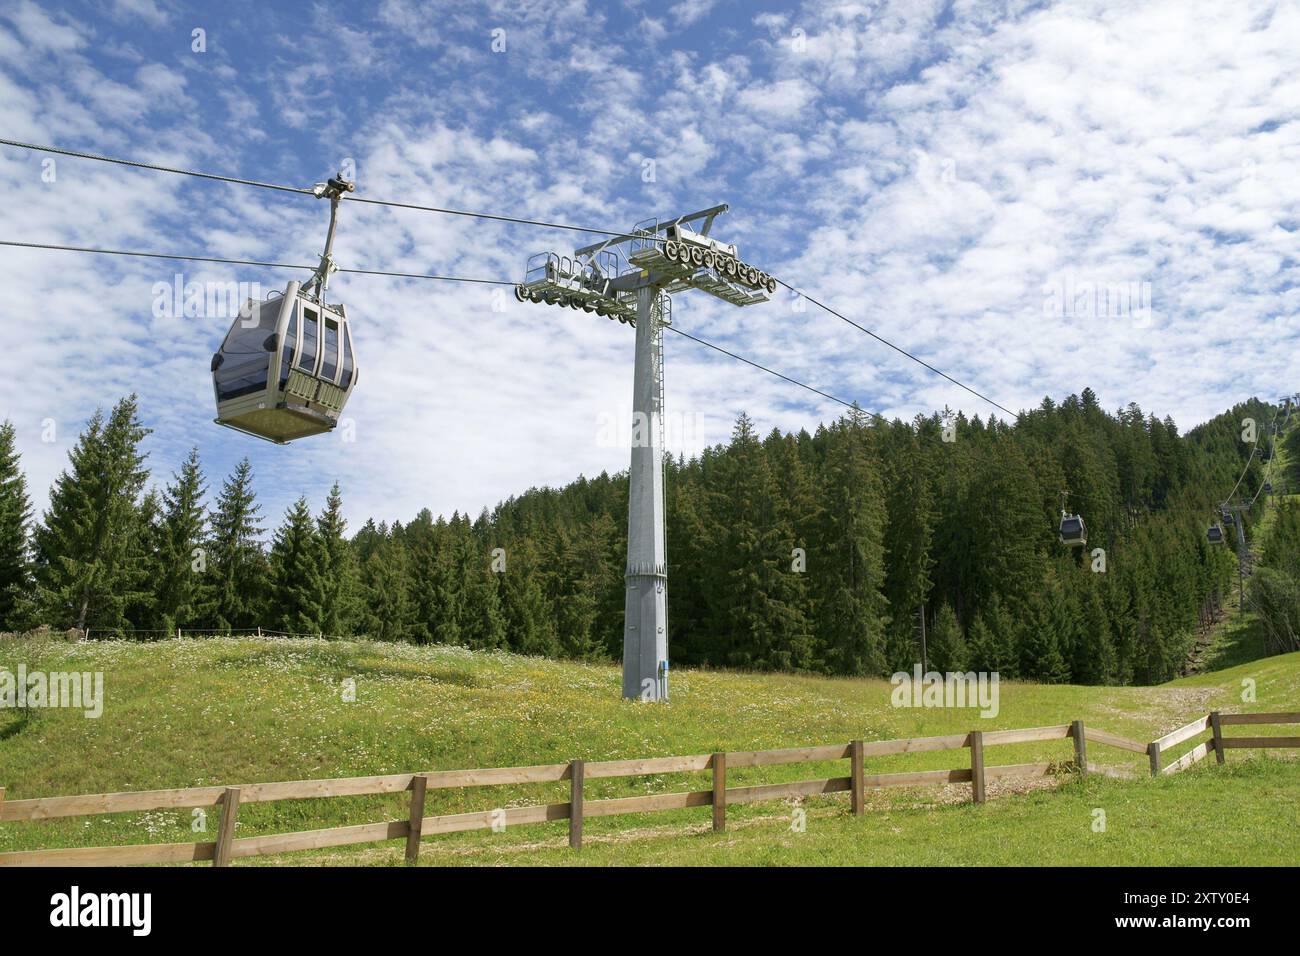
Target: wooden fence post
(858, 783)
(419, 783)
(1153, 752)
(977, 765)
(1080, 746)
(2, 799)
(1218, 735)
(575, 804)
(226, 826)
(719, 792)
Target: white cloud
(146, 10)
(782, 98)
(689, 12)
(43, 32)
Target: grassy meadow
(201, 712)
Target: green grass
(221, 711)
(1240, 814)
(1236, 639)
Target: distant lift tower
(629, 278)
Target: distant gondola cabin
(1073, 532)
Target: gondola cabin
(286, 367)
(1073, 533)
(1215, 534)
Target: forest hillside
(818, 553)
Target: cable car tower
(630, 278)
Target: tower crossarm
(708, 215)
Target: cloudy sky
(1034, 197)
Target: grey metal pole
(645, 613)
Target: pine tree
(88, 566)
(236, 562)
(182, 561)
(295, 600)
(15, 513)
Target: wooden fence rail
(417, 826)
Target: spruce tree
(584, 577)
(15, 513)
(759, 614)
(849, 560)
(1094, 651)
(471, 594)
(338, 568)
(385, 612)
(295, 599)
(529, 622)
(140, 611)
(1040, 650)
(990, 649)
(88, 564)
(421, 539)
(946, 646)
(692, 558)
(182, 560)
(908, 537)
(236, 562)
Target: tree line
(824, 552)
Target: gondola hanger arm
(333, 190)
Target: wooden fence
(719, 796)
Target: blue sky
(1035, 197)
